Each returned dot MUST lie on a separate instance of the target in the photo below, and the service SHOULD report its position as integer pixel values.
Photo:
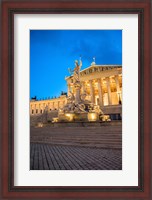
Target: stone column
(117, 83)
(109, 90)
(118, 89)
(92, 91)
(100, 92)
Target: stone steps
(79, 132)
(74, 138)
(76, 141)
(95, 145)
(102, 137)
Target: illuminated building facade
(101, 83)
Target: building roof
(104, 67)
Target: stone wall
(115, 111)
(112, 109)
(42, 118)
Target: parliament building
(101, 83)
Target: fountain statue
(77, 107)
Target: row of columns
(100, 92)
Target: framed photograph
(76, 99)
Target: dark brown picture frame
(12, 7)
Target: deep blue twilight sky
(52, 52)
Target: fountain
(78, 109)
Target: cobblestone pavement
(61, 157)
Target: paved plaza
(62, 157)
(76, 148)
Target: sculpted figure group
(75, 105)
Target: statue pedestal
(75, 117)
(81, 117)
(77, 94)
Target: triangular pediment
(98, 68)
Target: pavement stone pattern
(62, 157)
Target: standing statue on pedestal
(76, 81)
(74, 102)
